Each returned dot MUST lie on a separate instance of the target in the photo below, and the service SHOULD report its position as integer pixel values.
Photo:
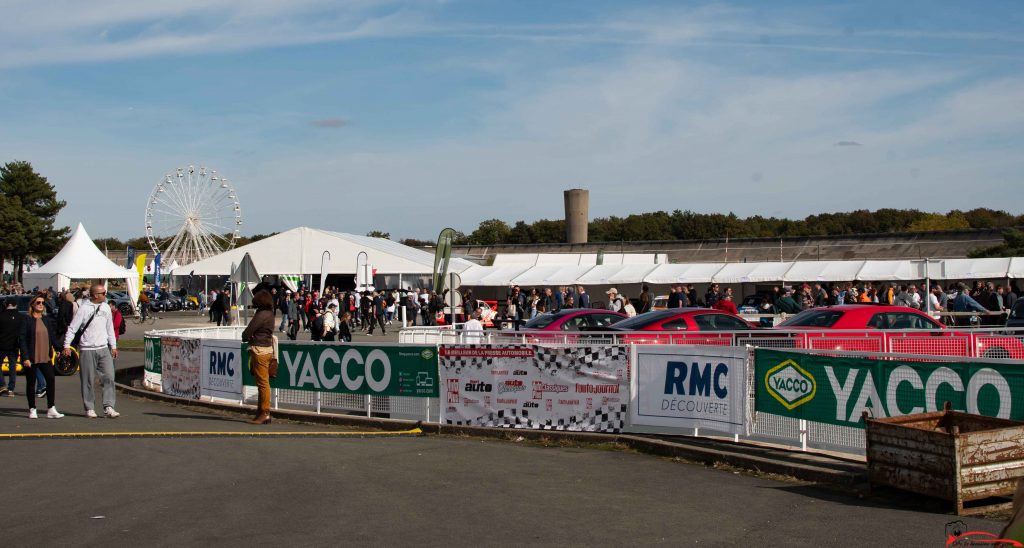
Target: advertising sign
(151, 377)
(525, 386)
(221, 369)
(838, 389)
(384, 370)
(678, 386)
(180, 359)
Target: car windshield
(644, 320)
(813, 318)
(544, 320)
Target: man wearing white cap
(614, 304)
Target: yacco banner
(379, 370)
(837, 390)
(151, 377)
(221, 369)
(526, 386)
(683, 386)
(179, 358)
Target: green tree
(931, 222)
(379, 234)
(39, 200)
(1012, 246)
(490, 232)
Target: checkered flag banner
(537, 387)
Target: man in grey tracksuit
(97, 350)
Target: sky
(410, 116)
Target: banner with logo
(179, 359)
(221, 369)
(379, 370)
(683, 386)
(838, 389)
(151, 377)
(525, 386)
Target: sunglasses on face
(36, 303)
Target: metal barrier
(997, 343)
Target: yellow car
(63, 366)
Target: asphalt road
(430, 491)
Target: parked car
(488, 311)
(887, 328)
(681, 325)
(660, 303)
(575, 319)
(751, 304)
(122, 301)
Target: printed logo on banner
(453, 390)
(511, 386)
(790, 384)
(478, 386)
(540, 387)
(423, 379)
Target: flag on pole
(442, 256)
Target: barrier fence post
(318, 403)
(428, 408)
(275, 397)
(369, 405)
(803, 434)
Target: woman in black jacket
(39, 339)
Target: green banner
(837, 390)
(153, 354)
(353, 369)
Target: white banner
(221, 369)
(525, 386)
(179, 358)
(683, 386)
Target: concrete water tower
(577, 205)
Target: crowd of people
(55, 322)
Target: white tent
(823, 271)
(1016, 268)
(612, 274)
(552, 275)
(493, 276)
(80, 259)
(502, 259)
(734, 273)
(299, 251)
(970, 269)
(695, 273)
(889, 271)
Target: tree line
(690, 225)
(28, 210)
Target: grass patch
(131, 343)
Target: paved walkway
(429, 491)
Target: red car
(899, 329)
(575, 319)
(682, 326)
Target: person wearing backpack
(316, 324)
(330, 322)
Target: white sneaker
(32, 414)
(110, 413)
(90, 414)
(52, 413)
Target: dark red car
(575, 319)
(899, 329)
(682, 326)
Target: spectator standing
(97, 350)
(935, 299)
(711, 297)
(38, 340)
(584, 297)
(284, 305)
(785, 304)
(614, 303)
(673, 299)
(725, 304)
(260, 336)
(473, 329)
(627, 307)
(377, 314)
(330, 322)
(965, 303)
(10, 330)
(645, 299)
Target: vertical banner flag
(130, 253)
(156, 274)
(442, 256)
(576, 388)
(683, 386)
(140, 265)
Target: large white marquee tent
(80, 259)
(548, 271)
(299, 251)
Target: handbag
(272, 367)
(81, 330)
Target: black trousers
(51, 384)
(379, 320)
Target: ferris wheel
(192, 214)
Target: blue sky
(410, 116)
